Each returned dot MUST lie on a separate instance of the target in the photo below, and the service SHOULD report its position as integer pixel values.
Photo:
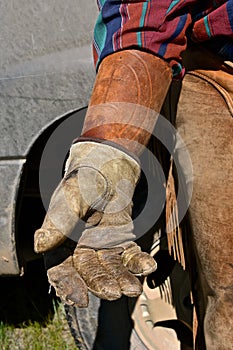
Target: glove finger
(61, 218)
(96, 277)
(48, 237)
(112, 261)
(69, 286)
(138, 262)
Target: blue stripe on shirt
(141, 23)
(106, 25)
(178, 30)
(173, 4)
(100, 34)
(230, 12)
(207, 27)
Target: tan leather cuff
(128, 94)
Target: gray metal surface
(46, 66)
(46, 69)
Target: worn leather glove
(97, 188)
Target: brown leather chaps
(205, 122)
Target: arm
(129, 91)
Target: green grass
(55, 335)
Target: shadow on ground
(26, 299)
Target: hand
(107, 273)
(97, 188)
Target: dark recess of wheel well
(30, 210)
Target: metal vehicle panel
(46, 69)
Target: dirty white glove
(97, 188)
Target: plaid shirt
(162, 27)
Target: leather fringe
(165, 290)
(173, 229)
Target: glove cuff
(107, 142)
(98, 154)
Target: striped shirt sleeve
(159, 27)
